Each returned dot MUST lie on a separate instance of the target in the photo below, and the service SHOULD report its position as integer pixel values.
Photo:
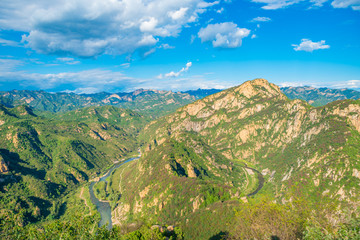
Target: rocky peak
(259, 87)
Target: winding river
(103, 207)
(260, 178)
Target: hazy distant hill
(319, 96)
(154, 102)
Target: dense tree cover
(49, 158)
(80, 227)
(260, 218)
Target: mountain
(243, 163)
(319, 96)
(201, 93)
(199, 158)
(152, 102)
(258, 123)
(43, 159)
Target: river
(260, 178)
(104, 207)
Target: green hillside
(243, 163)
(45, 159)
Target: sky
(88, 46)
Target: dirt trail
(83, 198)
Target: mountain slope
(174, 180)
(291, 142)
(319, 96)
(46, 158)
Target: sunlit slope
(297, 147)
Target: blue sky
(88, 46)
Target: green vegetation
(319, 96)
(80, 227)
(243, 163)
(153, 103)
(48, 159)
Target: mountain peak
(259, 86)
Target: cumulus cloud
(309, 46)
(223, 35)
(173, 74)
(261, 19)
(277, 4)
(90, 28)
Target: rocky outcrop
(3, 166)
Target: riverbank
(103, 207)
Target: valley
(215, 164)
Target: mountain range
(154, 103)
(247, 162)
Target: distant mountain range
(319, 96)
(152, 102)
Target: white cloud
(95, 78)
(253, 36)
(223, 35)
(88, 90)
(318, 3)
(208, 4)
(277, 4)
(148, 53)
(309, 46)
(354, 4)
(176, 15)
(5, 42)
(67, 60)
(149, 26)
(173, 74)
(261, 19)
(125, 65)
(90, 28)
(348, 84)
(166, 46)
(148, 40)
(220, 10)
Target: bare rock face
(3, 167)
(261, 87)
